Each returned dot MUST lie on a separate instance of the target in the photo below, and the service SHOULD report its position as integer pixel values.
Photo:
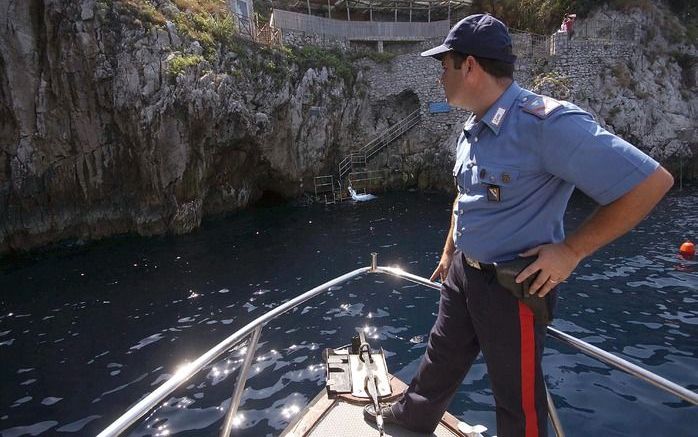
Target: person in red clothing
(568, 25)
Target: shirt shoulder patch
(540, 106)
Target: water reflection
(123, 313)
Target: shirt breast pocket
(500, 180)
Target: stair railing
(377, 144)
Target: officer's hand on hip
(555, 263)
(442, 269)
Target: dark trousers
(477, 315)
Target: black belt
(478, 265)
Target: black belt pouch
(507, 272)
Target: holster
(507, 272)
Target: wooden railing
(250, 29)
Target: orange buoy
(687, 249)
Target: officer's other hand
(442, 269)
(555, 263)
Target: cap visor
(436, 52)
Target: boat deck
(342, 416)
(345, 419)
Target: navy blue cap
(479, 35)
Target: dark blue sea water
(87, 331)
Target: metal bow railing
(254, 328)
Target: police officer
(519, 158)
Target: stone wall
(580, 59)
(301, 39)
(420, 75)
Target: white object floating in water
(360, 197)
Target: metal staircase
(361, 157)
(353, 166)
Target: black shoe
(387, 413)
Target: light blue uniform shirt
(536, 150)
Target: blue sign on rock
(439, 107)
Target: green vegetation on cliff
(180, 63)
(212, 24)
(207, 21)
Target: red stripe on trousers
(528, 370)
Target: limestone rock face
(98, 137)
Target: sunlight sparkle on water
(290, 411)
(238, 419)
(371, 331)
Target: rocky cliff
(116, 119)
(145, 116)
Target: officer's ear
(468, 65)
(471, 63)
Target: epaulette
(540, 106)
